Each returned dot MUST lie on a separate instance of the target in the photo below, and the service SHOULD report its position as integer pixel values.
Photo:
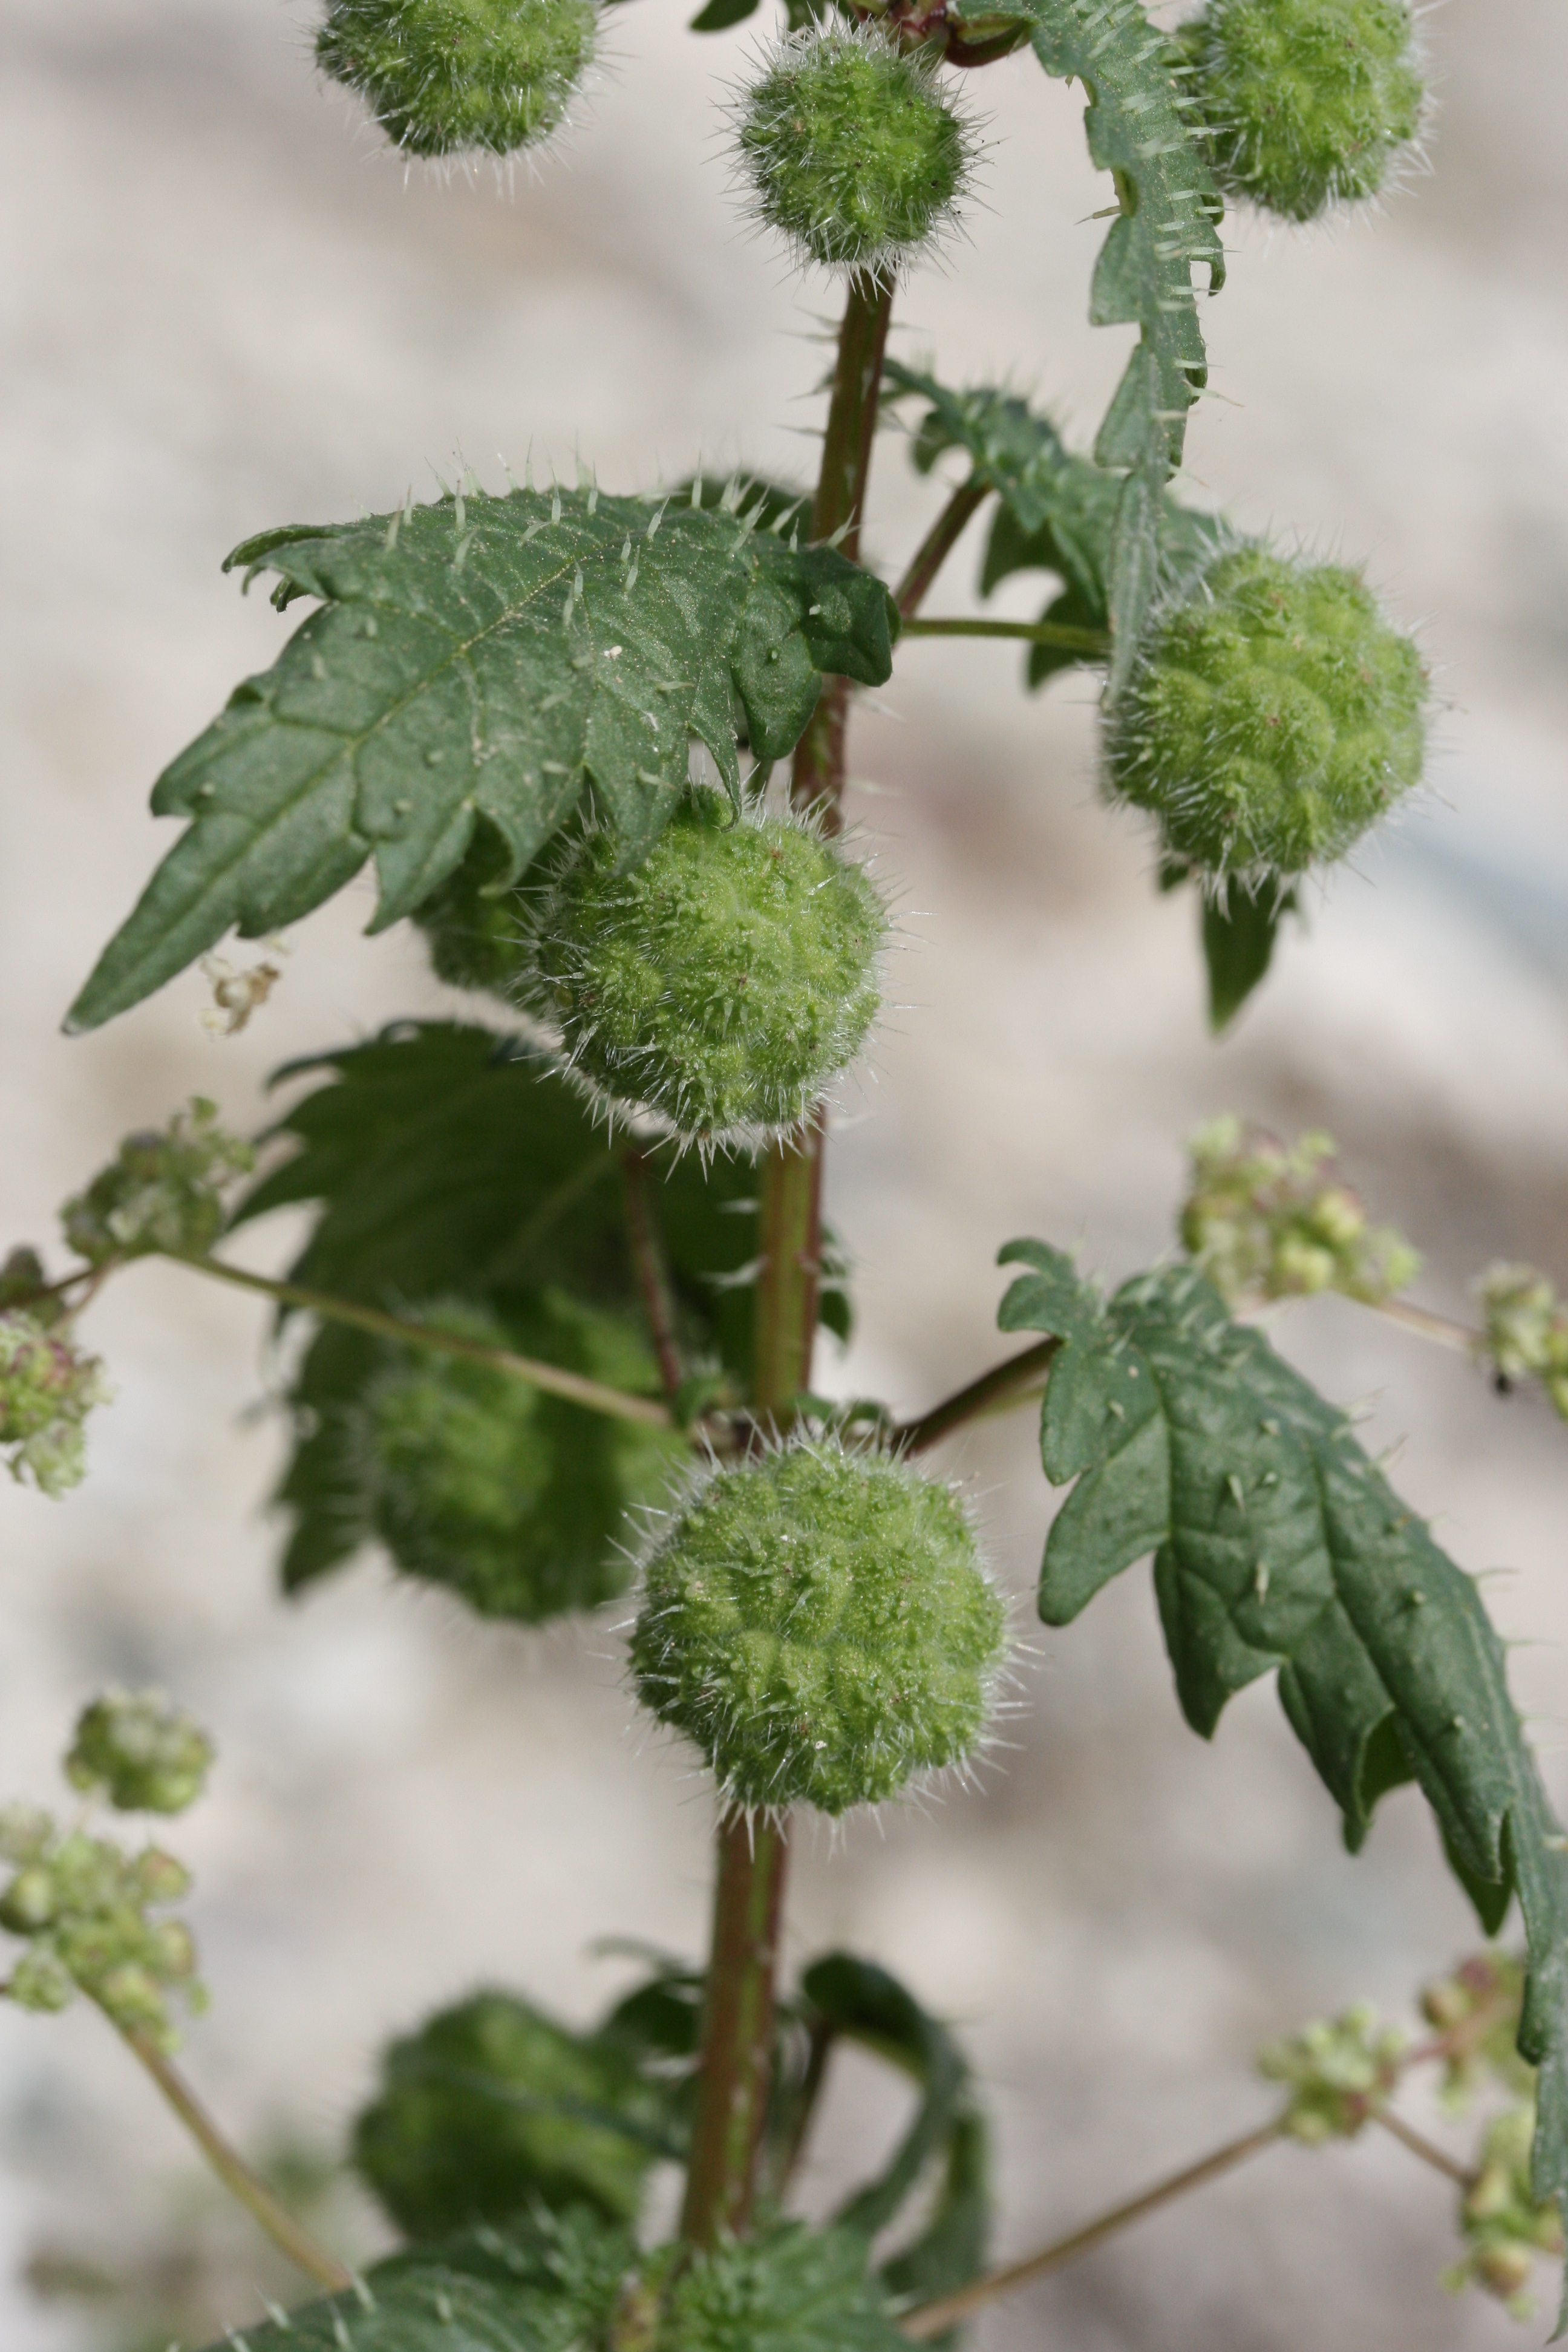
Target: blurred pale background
(224, 308)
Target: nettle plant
(568, 1262)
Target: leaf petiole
(1093, 643)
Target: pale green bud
(139, 1752)
(162, 1190)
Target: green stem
(288, 2234)
(553, 1378)
(936, 2318)
(1426, 2149)
(937, 546)
(1004, 1384)
(1093, 643)
(737, 2029)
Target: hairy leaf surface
(485, 658)
(556, 2284)
(1058, 511)
(450, 1162)
(1137, 130)
(1279, 1544)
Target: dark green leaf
(1281, 1545)
(484, 657)
(1139, 130)
(449, 1162)
(721, 14)
(492, 2109)
(1057, 512)
(853, 2000)
(1240, 926)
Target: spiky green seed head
(509, 1496)
(489, 2110)
(141, 1754)
(48, 1388)
(724, 985)
(473, 924)
(851, 148)
(1273, 716)
(1307, 103)
(162, 1190)
(818, 1622)
(460, 77)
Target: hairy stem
(553, 1378)
(936, 2318)
(288, 2234)
(737, 2029)
(651, 1266)
(1006, 1385)
(1093, 643)
(937, 546)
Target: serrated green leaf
(1057, 512)
(1239, 927)
(484, 657)
(1138, 129)
(1281, 1545)
(555, 2285)
(450, 1162)
(855, 1999)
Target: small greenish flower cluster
(512, 1499)
(1306, 103)
(83, 1905)
(1476, 2011)
(851, 148)
(48, 1388)
(162, 1191)
(460, 77)
(724, 984)
(1526, 1335)
(1267, 1221)
(1339, 2071)
(1505, 2230)
(139, 1753)
(818, 1622)
(1273, 716)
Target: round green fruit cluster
(818, 1622)
(851, 149)
(473, 924)
(510, 1496)
(724, 984)
(1305, 103)
(1274, 715)
(141, 1754)
(460, 77)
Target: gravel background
(224, 308)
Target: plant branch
(737, 2029)
(1419, 2145)
(1093, 643)
(935, 2318)
(289, 2235)
(553, 1378)
(651, 1265)
(1005, 1385)
(1437, 1328)
(938, 545)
